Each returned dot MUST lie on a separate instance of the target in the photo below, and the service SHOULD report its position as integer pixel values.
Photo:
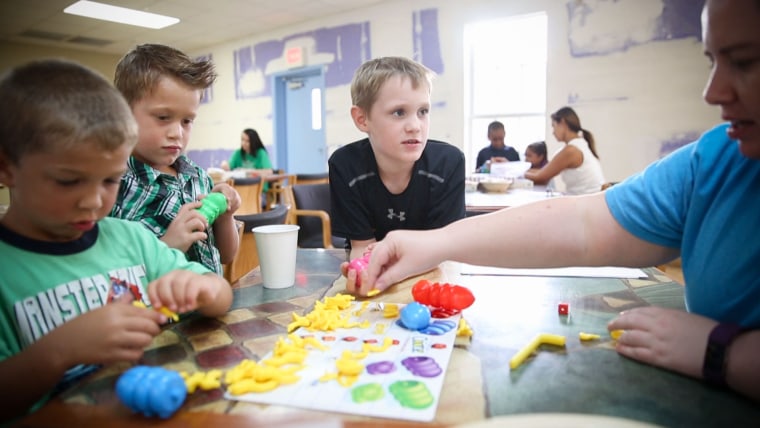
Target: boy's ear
(6, 176)
(359, 117)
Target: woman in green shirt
(252, 154)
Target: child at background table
(535, 153)
(701, 202)
(396, 178)
(162, 187)
(577, 163)
(497, 151)
(65, 136)
(252, 154)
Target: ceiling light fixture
(121, 15)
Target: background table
(583, 377)
(482, 202)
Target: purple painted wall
(207, 158)
(426, 43)
(677, 141)
(208, 94)
(347, 44)
(678, 19)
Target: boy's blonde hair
(371, 76)
(140, 70)
(55, 105)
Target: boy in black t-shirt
(396, 178)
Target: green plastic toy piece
(214, 204)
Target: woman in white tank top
(577, 162)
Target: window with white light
(316, 109)
(505, 80)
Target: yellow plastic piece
(615, 334)
(543, 338)
(285, 359)
(391, 311)
(193, 381)
(373, 292)
(327, 315)
(349, 355)
(328, 377)
(363, 308)
(171, 314)
(463, 329)
(163, 310)
(211, 380)
(250, 385)
(380, 328)
(588, 336)
(203, 380)
(298, 321)
(347, 380)
(368, 347)
(349, 367)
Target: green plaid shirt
(153, 198)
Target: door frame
(279, 107)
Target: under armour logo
(401, 216)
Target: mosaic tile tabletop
(582, 377)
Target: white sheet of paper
(586, 272)
(311, 393)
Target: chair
(310, 209)
(247, 256)
(311, 178)
(250, 190)
(277, 182)
(227, 267)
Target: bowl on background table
(495, 185)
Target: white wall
(13, 54)
(633, 100)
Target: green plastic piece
(367, 393)
(412, 394)
(214, 204)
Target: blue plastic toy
(152, 391)
(415, 316)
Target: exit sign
(294, 57)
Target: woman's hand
(667, 338)
(351, 280)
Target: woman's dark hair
(255, 140)
(539, 148)
(574, 123)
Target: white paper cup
(277, 245)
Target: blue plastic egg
(415, 316)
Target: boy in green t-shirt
(69, 272)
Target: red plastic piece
(446, 296)
(563, 309)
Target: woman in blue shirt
(700, 203)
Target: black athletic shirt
(362, 208)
